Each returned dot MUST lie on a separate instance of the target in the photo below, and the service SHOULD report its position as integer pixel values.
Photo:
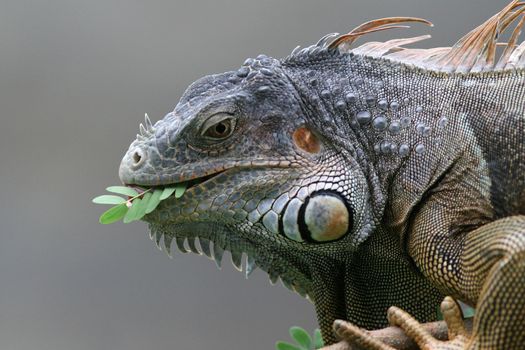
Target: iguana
(362, 177)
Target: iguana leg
(493, 266)
(490, 272)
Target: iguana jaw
(246, 254)
(189, 218)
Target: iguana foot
(457, 334)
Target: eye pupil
(220, 128)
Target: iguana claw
(457, 333)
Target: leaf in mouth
(168, 191)
(113, 214)
(180, 189)
(133, 212)
(154, 200)
(108, 199)
(139, 203)
(127, 191)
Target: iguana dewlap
(362, 177)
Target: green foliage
(166, 193)
(281, 345)
(318, 339)
(139, 202)
(153, 201)
(301, 336)
(303, 339)
(468, 311)
(439, 313)
(108, 199)
(127, 191)
(133, 212)
(113, 214)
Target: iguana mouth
(194, 182)
(190, 183)
(200, 180)
(154, 177)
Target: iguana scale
(362, 177)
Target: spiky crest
(475, 52)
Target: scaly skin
(359, 182)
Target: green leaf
(108, 199)
(281, 345)
(301, 337)
(131, 215)
(113, 214)
(180, 189)
(468, 311)
(168, 191)
(141, 211)
(318, 339)
(153, 201)
(439, 314)
(127, 191)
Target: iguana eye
(218, 126)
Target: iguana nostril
(137, 157)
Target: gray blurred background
(75, 80)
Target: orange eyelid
(306, 140)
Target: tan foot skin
(457, 333)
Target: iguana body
(362, 178)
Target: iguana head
(265, 176)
